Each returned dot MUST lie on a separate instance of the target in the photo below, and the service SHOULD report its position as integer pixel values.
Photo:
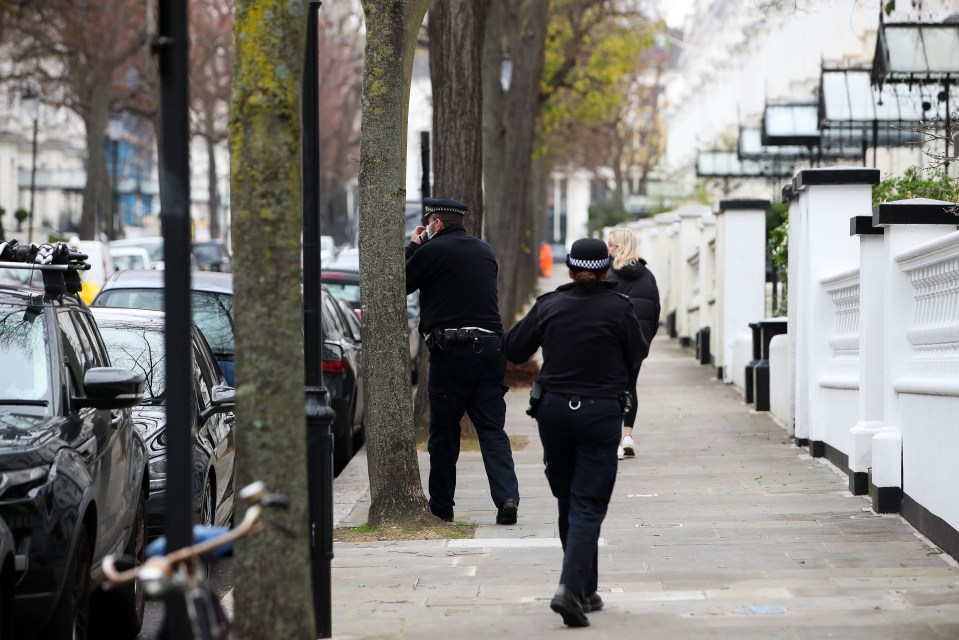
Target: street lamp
(114, 131)
(31, 106)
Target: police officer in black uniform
(459, 316)
(590, 339)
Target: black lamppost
(114, 131)
(319, 415)
(31, 104)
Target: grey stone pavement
(718, 528)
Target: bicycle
(183, 570)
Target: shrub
(937, 185)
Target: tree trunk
(214, 194)
(95, 200)
(516, 27)
(273, 593)
(457, 29)
(421, 401)
(396, 490)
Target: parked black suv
(74, 471)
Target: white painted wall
(740, 276)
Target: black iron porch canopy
(916, 53)
(924, 56)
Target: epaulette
(548, 293)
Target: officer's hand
(418, 234)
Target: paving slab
(719, 528)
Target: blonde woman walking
(630, 276)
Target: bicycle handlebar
(162, 566)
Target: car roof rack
(59, 264)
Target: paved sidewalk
(719, 528)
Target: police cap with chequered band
(437, 205)
(588, 254)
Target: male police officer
(459, 316)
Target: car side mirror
(109, 388)
(222, 400)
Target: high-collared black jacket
(638, 282)
(590, 337)
(456, 276)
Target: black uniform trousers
(468, 378)
(579, 449)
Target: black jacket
(456, 276)
(591, 340)
(638, 282)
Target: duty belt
(443, 338)
(466, 334)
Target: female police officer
(590, 340)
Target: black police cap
(590, 254)
(439, 205)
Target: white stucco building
(739, 56)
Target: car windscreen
(212, 312)
(140, 350)
(209, 253)
(129, 261)
(24, 365)
(346, 291)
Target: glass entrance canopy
(916, 52)
(726, 164)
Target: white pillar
(557, 207)
(577, 205)
(707, 281)
(740, 274)
(872, 300)
(824, 248)
(689, 217)
(663, 266)
(906, 223)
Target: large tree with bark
(517, 29)
(211, 81)
(272, 570)
(341, 86)
(77, 55)
(396, 489)
(456, 32)
(567, 56)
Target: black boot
(567, 604)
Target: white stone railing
(843, 289)
(932, 366)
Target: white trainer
(628, 446)
(620, 454)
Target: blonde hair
(627, 251)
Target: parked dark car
(7, 581)
(343, 281)
(74, 469)
(343, 375)
(212, 255)
(135, 340)
(212, 303)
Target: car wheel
(71, 618)
(206, 507)
(118, 613)
(207, 517)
